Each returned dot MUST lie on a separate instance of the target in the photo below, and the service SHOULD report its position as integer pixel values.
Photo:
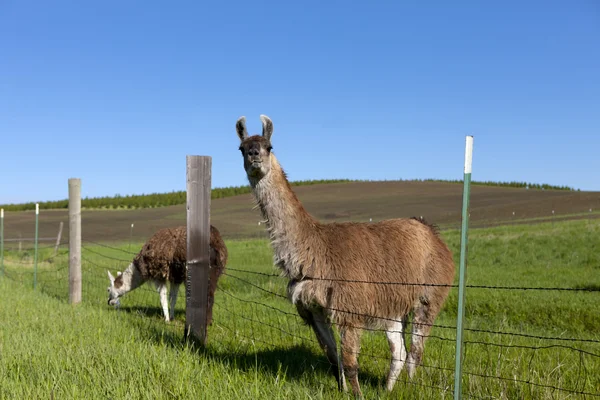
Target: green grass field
(258, 347)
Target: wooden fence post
(58, 237)
(198, 250)
(74, 240)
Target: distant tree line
(154, 200)
(513, 184)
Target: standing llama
(162, 259)
(344, 273)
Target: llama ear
(267, 127)
(240, 127)
(112, 278)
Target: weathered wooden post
(74, 240)
(198, 250)
(58, 237)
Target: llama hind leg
(423, 319)
(395, 338)
(173, 299)
(350, 338)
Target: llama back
(164, 255)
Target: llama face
(256, 150)
(113, 293)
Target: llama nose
(253, 152)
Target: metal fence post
(198, 250)
(463, 269)
(35, 257)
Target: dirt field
(438, 202)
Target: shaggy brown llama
(350, 274)
(162, 259)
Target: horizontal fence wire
(25, 249)
(433, 325)
(104, 255)
(314, 341)
(504, 346)
(334, 324)
(518, 346)
(109, 247)
(307, 277)
(502, 378)
(297, 318)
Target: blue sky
(117, 93)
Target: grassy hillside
(153, 200)
(439, 202)
(258, 348)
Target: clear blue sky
(119, 92)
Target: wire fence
(493, 356)
(254, 319)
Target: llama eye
(269, 149)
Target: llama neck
(130, 279)
(289, 225)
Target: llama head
(113, 289)
(256, 149)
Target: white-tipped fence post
(130, 236)
(35, 257)
(463, 269)
(74, 240)
(198, 250)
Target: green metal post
(463, 270)
(35, 257)
(130, 236)
(2, 242)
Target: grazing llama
(162, 259)
(332, 268)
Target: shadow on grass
(295, 361)
(149, 311)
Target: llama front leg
(322, 328)
(173, 299)
(350, 338)
(162, 292)
(324, 333)
(395, 338)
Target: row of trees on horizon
(154, 200)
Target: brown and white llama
(162, 259)
(332, 268)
